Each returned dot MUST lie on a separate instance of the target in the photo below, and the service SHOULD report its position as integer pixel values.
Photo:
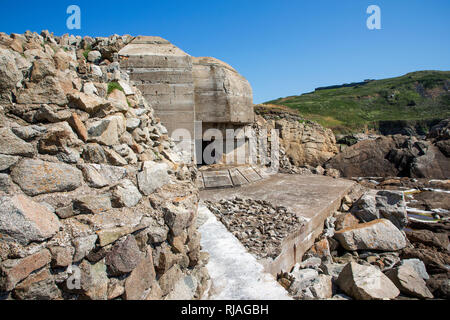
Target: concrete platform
(312, 197)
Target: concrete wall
(221, 94)
(163, 73)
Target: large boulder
(366, 283)
(375, 235)
(386, 204)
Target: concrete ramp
(235, 273)
(314, 198)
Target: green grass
(86, 52)
(415, 96)
(113, 86)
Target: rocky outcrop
(92, 204)
(396, 156)
(303, 142)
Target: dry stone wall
(94, 203)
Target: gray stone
(184, 289)
(5, 182)
(94, 56)
(366, 283)
(37, 177)
(7, 161)
(28, 132)
(94, 153)
(126, 194)
(153, 176)
(83, 246)
(92, 204)
(177, 218)
(10, 144)
(23, 220)
(105, 131)
(94, 280)
(419, 266)
(10, 75)
(409, 281)
(124, 257)
(375, 235)
(386, 204)
(99, 175)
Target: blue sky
(282, 47)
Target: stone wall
(94, 203)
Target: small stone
(153, 176)
(94, 56)
(419, 266)
(79, 127)
(126, 194)
(62, 256)
(99, 176)
(92, 204)
(83, 246)
(7, 161)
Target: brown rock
(39, 286)
(61, 256)
(124, 257)
(345, 221)
(78, 126)
(141, 279)
(14, 271)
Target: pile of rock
(258, 224)
(365, 254)
(93, 203)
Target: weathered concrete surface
(163, 73)
(232, 177)
(312, 197)
(221, 93)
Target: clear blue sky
(283, 47)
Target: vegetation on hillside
(417, 96)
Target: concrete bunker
(192, 94)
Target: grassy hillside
(417, 96)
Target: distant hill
(417, 97)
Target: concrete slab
(313, 198)
(217, 179)
(237, 178)
(250, 174)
